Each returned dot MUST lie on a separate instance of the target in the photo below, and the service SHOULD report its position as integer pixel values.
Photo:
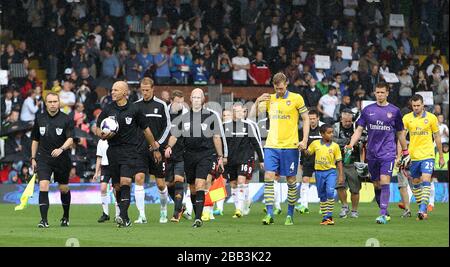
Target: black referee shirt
(130, 120)
(263, 126)
(242, 141)
(158, 119)
(51, 132)
(314, 134)
(178, 148)
(196, 129)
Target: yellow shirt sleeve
(300, 105)
(434, 124)
(405, 121)
(337, 152)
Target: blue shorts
(281, 161)
(420, 167)
(326, 183)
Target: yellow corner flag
(28, 192)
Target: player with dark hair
(384, 125)
(307, 162)
(174, 162)
(327, 158)
(423, 128)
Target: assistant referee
(52, 137)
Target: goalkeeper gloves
(405, 160)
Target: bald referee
(52, 137)
(122, 151)
(201, 132)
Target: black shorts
(105, 177)
(308, 170)
(59, 168)
(215, 170)
(198, 166)
(122, 163)
(172, 168)
(116, 171)
(243, 169)
(146, 163)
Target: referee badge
(128, 120)
(389, 115)
(59, 131)
(42, 130)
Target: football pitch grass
(19, 228)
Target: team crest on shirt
(204, 126)
(425, 121)
(389, 115)
(187, 126)
(288, 102)
(128, 120)
(244, 130)
(42, 130)
(155, 110)
(330, 151)
(59, 131)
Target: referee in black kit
(52, 137)
(202, 135)
(122, 151)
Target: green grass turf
(19, 228)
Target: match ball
(109, 125)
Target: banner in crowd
(90, 193)
(346, 52)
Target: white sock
(105, 202)
(304, 190)
(432, 194)
(240, 197)
(117, 209)
(234, 192)
(277, 191)
(219, 204)
(139, 195)
(163, 198)
(247, 196)
(187, 200)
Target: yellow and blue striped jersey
(326, 155)
(421, 130)
(283, 115)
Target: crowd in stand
(86, 44)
